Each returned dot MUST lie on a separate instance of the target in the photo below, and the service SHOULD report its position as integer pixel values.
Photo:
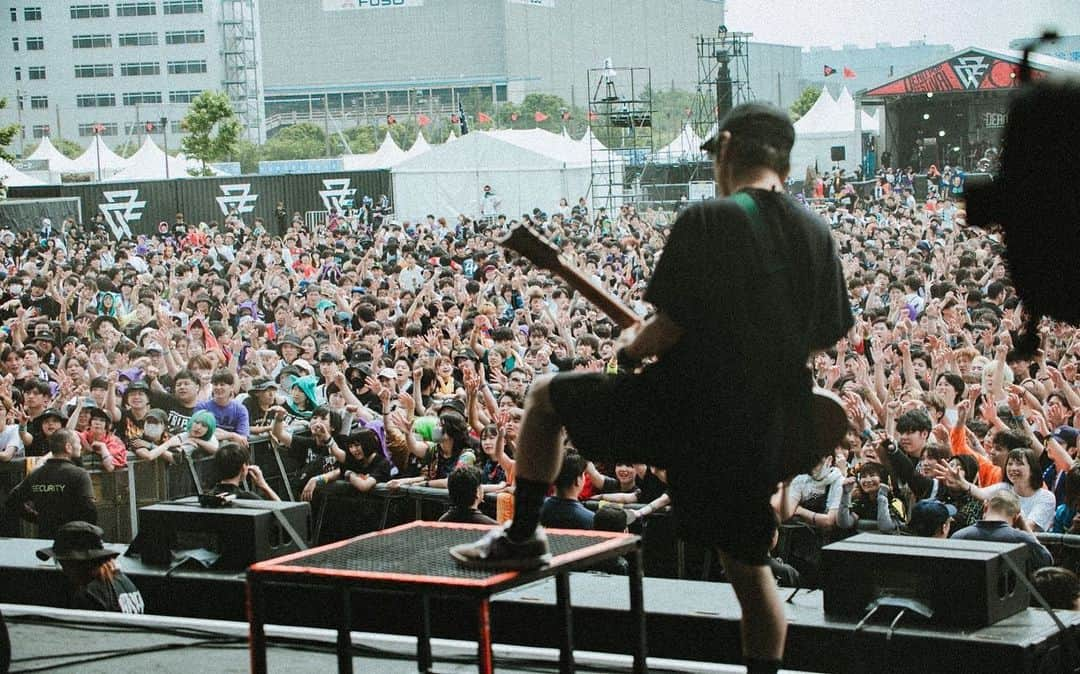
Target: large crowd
(370, 350)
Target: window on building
(187, 67)
(95, 70)
(15, 44)
(184, 96)
(14, 14)
(144, 68)
(31, 14)
(39, 102)
(40, 130)
(36, 72)
(106, 129)
(182, 6)
(177, 127)
(137, 39)
(96, 100)
(136, 9)
(185, 37)
(18, 74)
(89, 11)
(35, 43)
(140, 97)
(91, 41)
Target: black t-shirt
(118, 596)
(178, 414)
(755, 299)
(59, 491)
(376, 466)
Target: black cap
(329, 357)
(760, 123)
(52, 412)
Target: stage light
(941, 133)
(926, 115)
(929, 94)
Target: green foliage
(670, 113)
(248, 154)
(299, 141)
(361, 141)
(212, 127)
(127, 148)
(804, 102)
(68, 148)
(7, 134)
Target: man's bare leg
(763, 625)
(539, 451)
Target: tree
(361, 140)
(7, 134)
(209, 111)
(69, 149)
(299, 141)
(248, 154)
(804, 102)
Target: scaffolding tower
(621, 142)
(240, 57)
(723, 77)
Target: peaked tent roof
(590, 138)
(388, 155)
(419, 146)
(148, 163)
(970, 69)
(822, 117)
(451, 138)
(479, 150)
(88, 160)
(687, 145)
(13, 177)
(541, 141)
(57, 160)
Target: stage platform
(686, 620)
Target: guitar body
(830, 417)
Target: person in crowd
(1059, 586)
(97, 582)
(100, 441)
(564, 510)
(233, 463)
(231, 415)
(1003, 522)
(866, 499)
(466, 495)
(57, 492)
(931, 518)
(1023, 477)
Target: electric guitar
(830, 418)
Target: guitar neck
(623, 315)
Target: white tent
(419, 146)
(96, 155)
(684, 147)
(831, 128)
(58, 163)
(450, 178)
(13, 177)
(387, 156)
(148, 163)
(451, 138)
(545, 142)
(590, 139)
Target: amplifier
(964, 583)
(242, 533)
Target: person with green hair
(199, 434)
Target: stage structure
(723, 77)
(620, 117)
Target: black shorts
(638, 419)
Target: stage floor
(38, 638)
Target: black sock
(528, 497)
(761, 666)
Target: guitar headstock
(526, 242)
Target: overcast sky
(961, 23)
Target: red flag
(99, 128)
(593, 116)
(482, 118)
(514, 116)
(566, 116)
(390, 120)
(149, 127)
(849, 74)
(829, 70)
(423, 120)
(454, 119)
(539, 116)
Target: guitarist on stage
(746, 289)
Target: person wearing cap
(931, 518)
(133, 416)
(732, 291)
(311, 448)
(58, 491)
(36, 436)
(261, 398)
(99, 584)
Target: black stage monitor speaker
(965, 583)
(242, 533)
(838, 152)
